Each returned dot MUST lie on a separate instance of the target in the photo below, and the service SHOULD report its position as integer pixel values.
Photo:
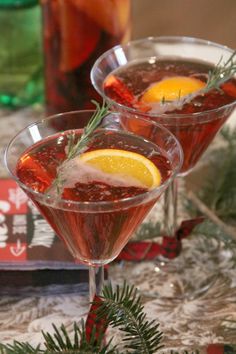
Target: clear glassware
(93, 231)
(194, 130)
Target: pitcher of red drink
(76, 33)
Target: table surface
(186, 320)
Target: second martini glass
(151, 76)
(94, 199)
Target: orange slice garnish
(172, 88)
(126, 164)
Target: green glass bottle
(21, 58)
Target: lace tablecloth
(187, 321)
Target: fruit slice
(31, 167)
(117, 90)
(112, 16)
(172, 88)
(79, 36)
(126, 164)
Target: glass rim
(183, 39)
(94, 205)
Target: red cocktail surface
(196, 123)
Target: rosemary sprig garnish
(221, 73)
(216, 77)
(75, 149)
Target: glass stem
(96, 280)
(170, 208)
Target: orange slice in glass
(172, 88)
(126, 164)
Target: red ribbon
(216, 349)
(93, 323)
(170, 247)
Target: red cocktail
(105, 191)
(138, 79)
(76, 33)
(165, 79)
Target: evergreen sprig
(20, 348)
(60, 342)
(123, 310)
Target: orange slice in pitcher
(126, 164)
(112, 16)
(79, 36)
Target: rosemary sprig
(221, 73)
(216, 77)
(75, 149)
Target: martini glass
(127, 77)
(125, 73)
(95, 219)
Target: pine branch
(20, 348)
(123, 309)
(60, 342)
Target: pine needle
(123, 309)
